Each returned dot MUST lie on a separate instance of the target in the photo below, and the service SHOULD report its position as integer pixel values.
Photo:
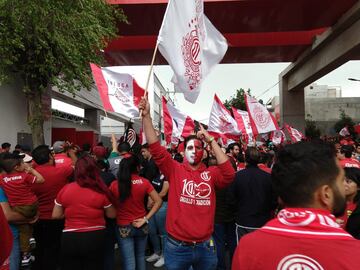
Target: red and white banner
(221, 123)
(344, 132)
(260, 118)
(243, 121)
(277, 137)
(191, 45)
(176, 123)
(295, 135)
(119, 92)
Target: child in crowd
(16, 183)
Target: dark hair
(127, 166)
(18, 146)
(87, 175)
(354, 174)
(231, 146)
(192, 137)
(124, 147)
(145, 146)
(179, 158)
(347, 150)
(300, 169)
(41, 154)
(252, 156)
(6, 145)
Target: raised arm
(149, 130)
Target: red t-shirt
(6, 241)
(350, 207)
(264, 168)
(133, 207)
(241, 166)
(17, 187)
(62, 160)
(298, 239)
(349, 163)
(55, 178)
(83, 208)
(191, 199)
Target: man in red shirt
(47, 232)
(305, 235)
(65, 155)
(191, 199)
(348, 161)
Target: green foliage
(52, 42)
(237, 100)
(311, 130)
(345, 121)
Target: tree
(237, 100)
(50, 44)
(345, 121)
(311, 130)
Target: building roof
(256, 30)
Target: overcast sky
(226, 78)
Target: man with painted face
(191, 199)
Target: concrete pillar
(93, 115)
(292, 106)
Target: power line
(267, 90)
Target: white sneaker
(153, 258)
(160, 262)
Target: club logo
(205, 176)
(302, 218)
(298, 262)
(262, 120)
(198, 191)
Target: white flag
(191, 45)
(295, 135)
(221, 123)
(344, 132)
(260, 118)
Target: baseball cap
(58, 146)
(99, 151)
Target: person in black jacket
(251, 195)
(353, 222)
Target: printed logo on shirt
(13, 178)
(61, 160)
(137, 181)
(297, 262)
(205, 176)
(196, 194)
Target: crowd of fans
(197, 206)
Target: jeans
(157, 228)
(179, 256)
(132, 244)
(225, 240)
(15, 254)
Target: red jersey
(350, 207)
(83, 208)
(191, 199)
(55, 178)
(241, 166)
(133, 207)
(349, 163)
(298, 239)
(264, 168)
(17, 187)
(6, 241)
(62, 160)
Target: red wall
(73, 136)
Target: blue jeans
(179, 256)
(225, 240)
(157, 228)
(132, 244)
(15, 254)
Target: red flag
(260, 118)
(119, 92)
(176, 123)
(243, 120)
(295, 135)
(277, 137)
(221, 123)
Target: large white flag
(191, 45)
(243, 120)
(177, 125)
(221, 123)
(119, 92)
(260, 118)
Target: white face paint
(194, 152)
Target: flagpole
(149, 75)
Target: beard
(339, 203)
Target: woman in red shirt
(83, 203)
(132, 218)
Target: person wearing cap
(17, 184)
(65, 155)
(348, 161)
(47, 232)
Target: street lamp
(353, 79)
